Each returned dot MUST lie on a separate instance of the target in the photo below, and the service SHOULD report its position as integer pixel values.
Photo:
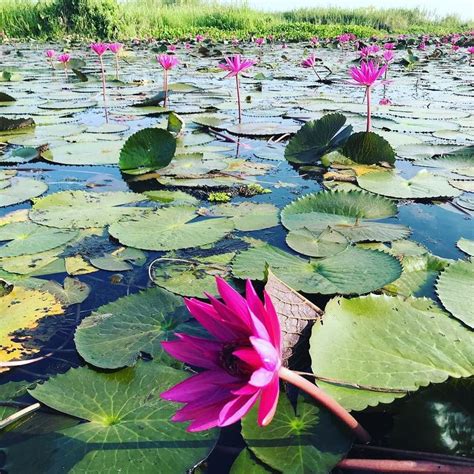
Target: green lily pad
(245, 464)
(81, 210)
(170, 228)
(20, 190)
(317, 137)
(175, 198)
(347, 212)
(116, 334)
(193, 276)
(87, 153)
(30, 238)
(454, 288)
(299, 440)
(423, 185)
(126, 426)
(389, 343)
(120, 260)
(352, 271)
(368, 148)
(317, 244)
(150, 148)
(467, 246)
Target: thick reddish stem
(325, 400)
(391, 465)
(237, 85)
(368, 109)
(165, 87)
(102, 70)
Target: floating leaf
(302, 440)
(368, 148)
(317, 137)
(85, 153)
(170, 229)
(353, 271)
(126, 426)
(30, 238)
(149, 148)
(21, 189)
(369, 334)
(81, 210)
(316, 244)
(246, 464)
(454, 286)
(175, 198)
(73, 291)
(120, 260)
(116, 334)
(423, 185)
(467, 246)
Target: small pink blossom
(259, 41)
(99, 48)
(344, 38)
(368, 73)
(199, 38)
(470, 50)
(50, 53)
(284, 46)
(309, 62)
(389, 46)
(236, 64)
(115, 47)
(241, 362)
(235, 42)
(64, 58)
(421, 46)
(388, 56)
(167, 61)
(187, 46)
(314, 40)
(172, 48)
(455, 47)
(385, 101)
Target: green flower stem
(326, 401)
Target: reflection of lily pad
(170, 229)
(359, 330)
(80, 209)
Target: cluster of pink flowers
(368, 51)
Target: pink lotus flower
(455, 47)
(172, 48)
(115, 47)
(241, 362)
(99, 48)
(64, 58)
(284, 46)
(50, 53)
(314, 40)
(385, 101)
(187, 46)
(421, 46)
(199, 38)
(236, 64)
(388, 56)
(167, 61)
(259, 41)
(367, 74)
(389, 46)
(344, 38)
(309, 63)
(470, 50)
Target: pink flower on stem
(366, 75)
(116, 48)
(309, 63)
(242, 363)
(172, 48)
(388, 56)
(259, 41)
(167, 62)
(64, 59)
(470, 51)
(385, 101)
(421, 46)
(389, 46)
(50, 53)
(455, 47)
(100, 49)
(235, 65)
(314, 41)
(199, 38)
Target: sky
(462, 8)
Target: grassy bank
(173, 19)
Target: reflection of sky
(462, 8)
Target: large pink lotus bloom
(50, 53)
(115, 47)
(368, 73)
(240, 362)
(167, 61)
(99, 48)
(64, 58)
(236, 64)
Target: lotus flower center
(232, 364)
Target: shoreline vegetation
(182, 19)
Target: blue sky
(463, 8)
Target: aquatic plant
(167, 62)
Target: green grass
(180, 19)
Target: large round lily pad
(81, 210)
(88, 153)
(388, 343)
(126, 428)
(21, 189)
(170, 228)
(116, 334)
(455, 290)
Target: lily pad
(170, 229)
(119, 260)
(317, 244)
(175, 198)
(87, 153)
(467, 246)
(423, 185)
(454, 288)
(316, 137)
(116, 334)
(81, 210)
(20, 190)
(360, 330)
(118, 408)
(299, 440)
(368, 148)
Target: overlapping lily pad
(20, 190)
